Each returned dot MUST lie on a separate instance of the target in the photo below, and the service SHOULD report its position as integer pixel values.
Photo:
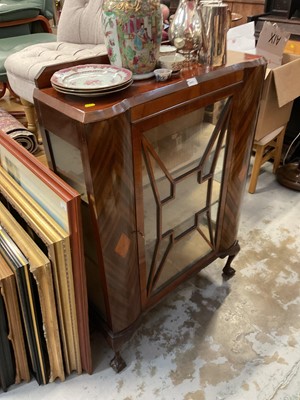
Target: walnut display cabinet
(161, 168)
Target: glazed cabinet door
(180, 159)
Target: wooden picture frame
(7, 364)
(63, 203)
(40, 268)
(9, 293)
(29, 304)
(57, 242)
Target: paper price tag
(191, 81)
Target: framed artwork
(9, 294)
(7, 369)
(57, 243)
(63, 204)
(37, 267)
(19, 264)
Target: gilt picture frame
(63, 204)
(29, 304)
(40, 268)
(57, 242)
(7, 368)
(9, 293)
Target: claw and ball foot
(228, 271)
(117, 363)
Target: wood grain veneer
(109, 134)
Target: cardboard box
(281, 87)
(287, 57)
(282, 83)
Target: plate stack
(91, 80)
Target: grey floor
(214, 339)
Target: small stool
(267, 148)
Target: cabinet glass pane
(68, 163)
(69, 166)
(182, 173)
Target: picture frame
(7, 369)
(63, 204)
(40, 268)
(29, 304)
(9, 293)
(57, 242)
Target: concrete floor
(213, 339)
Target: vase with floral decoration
(133, 32)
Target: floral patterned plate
(91, 77)
(92, 93)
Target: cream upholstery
(23, 66)
(79, 36)
(80, 22)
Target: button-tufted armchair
(24, 17)
(22, 23)
(79, 38)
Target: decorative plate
(92, 93)
(87, 91)
(91, 77)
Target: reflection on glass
(190, 199)
(182, 254)
(182, 175)
(68, 164)
(156, 253)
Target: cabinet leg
(117, 363)
(228, 271)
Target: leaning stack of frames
(42, 270)
(13, 360)
(29, 265)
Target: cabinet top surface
(90, 109)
